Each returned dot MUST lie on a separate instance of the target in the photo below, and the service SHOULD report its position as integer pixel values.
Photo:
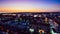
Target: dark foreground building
(29, 23)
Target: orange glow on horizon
(19, 10)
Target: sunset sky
(29, 5)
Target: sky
(29, 5)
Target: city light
(41, 31)
(31, 30)
(35, 24)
